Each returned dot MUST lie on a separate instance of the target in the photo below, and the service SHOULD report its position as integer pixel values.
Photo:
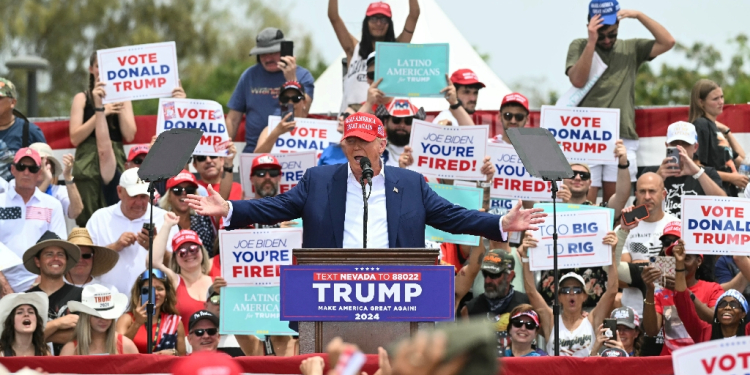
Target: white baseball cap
(132, 183)
(101, 302)
(682, 131)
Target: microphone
(367, 173)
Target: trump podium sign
(367, 293)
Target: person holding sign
(576, 331)
(329, 200)
(729, 313)
(467, 87)
(514, 113)
(375, 96)
(398, 116)
(290, 94)
(376, 27)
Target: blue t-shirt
(257, 95)
(725, 269)
(509, 353)
(333, 154)
(11, 141)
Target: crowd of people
(85, 291)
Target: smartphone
(611, 326)
(516, 239)
(287, 48)
(148, 227)
(289, 109)
(665, 265)
(674, 154)
(144, 297)
(350, 362)
(640, 212)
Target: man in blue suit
(329, 201)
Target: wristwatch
(484, 184)
(71, 181)
(728, 131)
(100, 109)
(458, 104)
(229, 169)
(626, 166)
(699, 174)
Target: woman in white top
(376, 27)
(576, 331)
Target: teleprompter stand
(165, 159)
(542, 157)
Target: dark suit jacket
(320, 200)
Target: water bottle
(745, 171)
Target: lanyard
(156, 332)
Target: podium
(313, 336)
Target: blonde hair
(83, 336)
(205, 262)
(699, 93)
(165, 205)
(585, 166)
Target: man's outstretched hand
(517, 220)
(212, 205)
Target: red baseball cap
(27, 152)
(136, 150)
(294, 85)
(184, 176)
(364, 126)
(465, 77)
(531, 314)
(185, 236)
(673, 228)
(207, 363)
(401, 108)
(265, 161)
(515, 98)
(379, 8)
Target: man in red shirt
(217, 171)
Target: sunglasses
(137, 161)
(22, 167)
(611, 36)
(509, 116)
(407, 120)
(270, 172)
(87, 256)
(734, 305)
(159, 274)
(571, 290)
(492, 276)
(285, 99)
(585, 176)
(210, 331)
(520, 323)
(371, 75)
(215, 299)
(378, 18)
(344, 115)
(178, 190)
(192, 250)
(202, 158)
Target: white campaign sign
(145, 71)
(585, 135)
(293, 167)
(252, 257)
(574, 95)
(308, 135)
(454, 152)
(716, 225)
(715, 357)
(512, 180)
(579, 242)
(206, 115)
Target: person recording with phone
(168, 329)
(682, 176)
(292, 105)
(626, 335)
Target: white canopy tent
(433, 26)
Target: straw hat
(45, 151)
(51, 239)
(100, 301)
(39, 300)
(104, 258)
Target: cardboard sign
(206, 115)
(145, 71)
(716, 357)
(293, 167)
(716, 225)
(251, 310)
(252, 257)
(512, 180)
(449, 151)
(467, 197)
(308, 135)
(579, 242)
(585, 135)
(367, 293)
(414, 70)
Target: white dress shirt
(105, 227)
(21, 226)
(377, 217)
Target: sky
(528, 40)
